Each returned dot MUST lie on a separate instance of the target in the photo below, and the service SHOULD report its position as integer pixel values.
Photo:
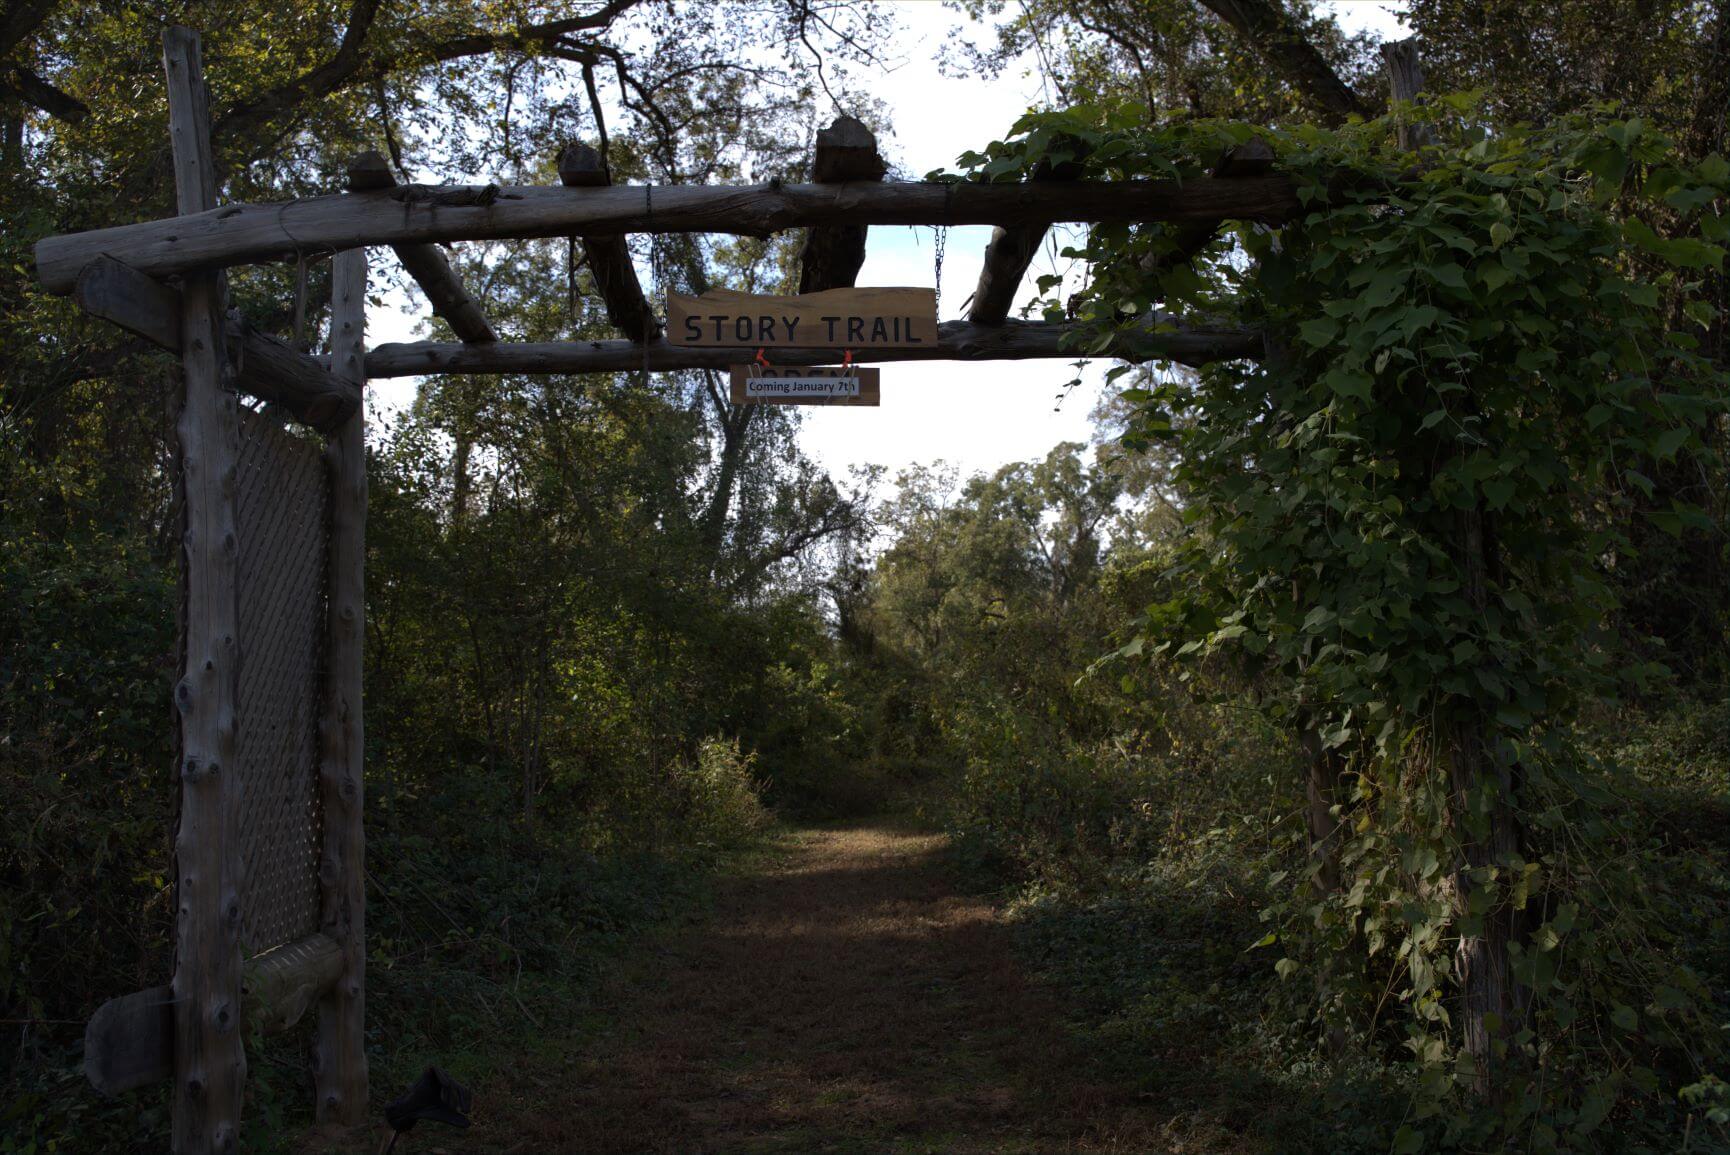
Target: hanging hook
(762, 360)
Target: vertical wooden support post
(339, 1057)
(209, 1054)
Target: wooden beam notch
(370, 172)
(832, 254)
(609, 254)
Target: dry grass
(841, 997)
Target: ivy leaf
(1407, 1141)
(1349, 383)
(1319, 332)
(1498, 490)
(1450, 274)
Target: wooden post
(209, 1056)
(339, 1056)
(1481, 961)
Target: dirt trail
(841, 997)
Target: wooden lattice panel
(281, 507)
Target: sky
(974, 416)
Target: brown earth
(841, 997)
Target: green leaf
(1624, 1017)
(1319, 332)
(1450, 275)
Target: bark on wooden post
(1464, 742)
(339, 1057)
(209, 1055)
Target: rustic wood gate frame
(165, 280)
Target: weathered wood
(209, 1057)
(609, 254)
(260, 364)
(239, 234)
(369, 172)
(129, 1041)
(281, 985)
(1405, 82)
(832, 256)
(339, 1056)
(956, 341)
(865, 320)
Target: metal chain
(942, 236)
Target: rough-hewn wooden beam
(209, 1055)
(129, 1041)
(239, 234)
(957, 341)
(609, 254)
(339, 1055)
(846, 151)
(370, 172)
(263, 366)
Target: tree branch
(351, 58)
(1276, 38)
(38, 93)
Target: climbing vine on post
(1485, 341)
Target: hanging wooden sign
(859, 319)
(797, 385)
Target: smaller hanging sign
(858, 319)
(797, 385)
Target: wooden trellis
(270, 843)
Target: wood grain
(240, 234)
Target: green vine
(1400, 526)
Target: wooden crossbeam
(370, 172)
(846, 151)
(240, 234)
(957, 341)
(263, 366)
(609, 254)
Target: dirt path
(842, 997)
